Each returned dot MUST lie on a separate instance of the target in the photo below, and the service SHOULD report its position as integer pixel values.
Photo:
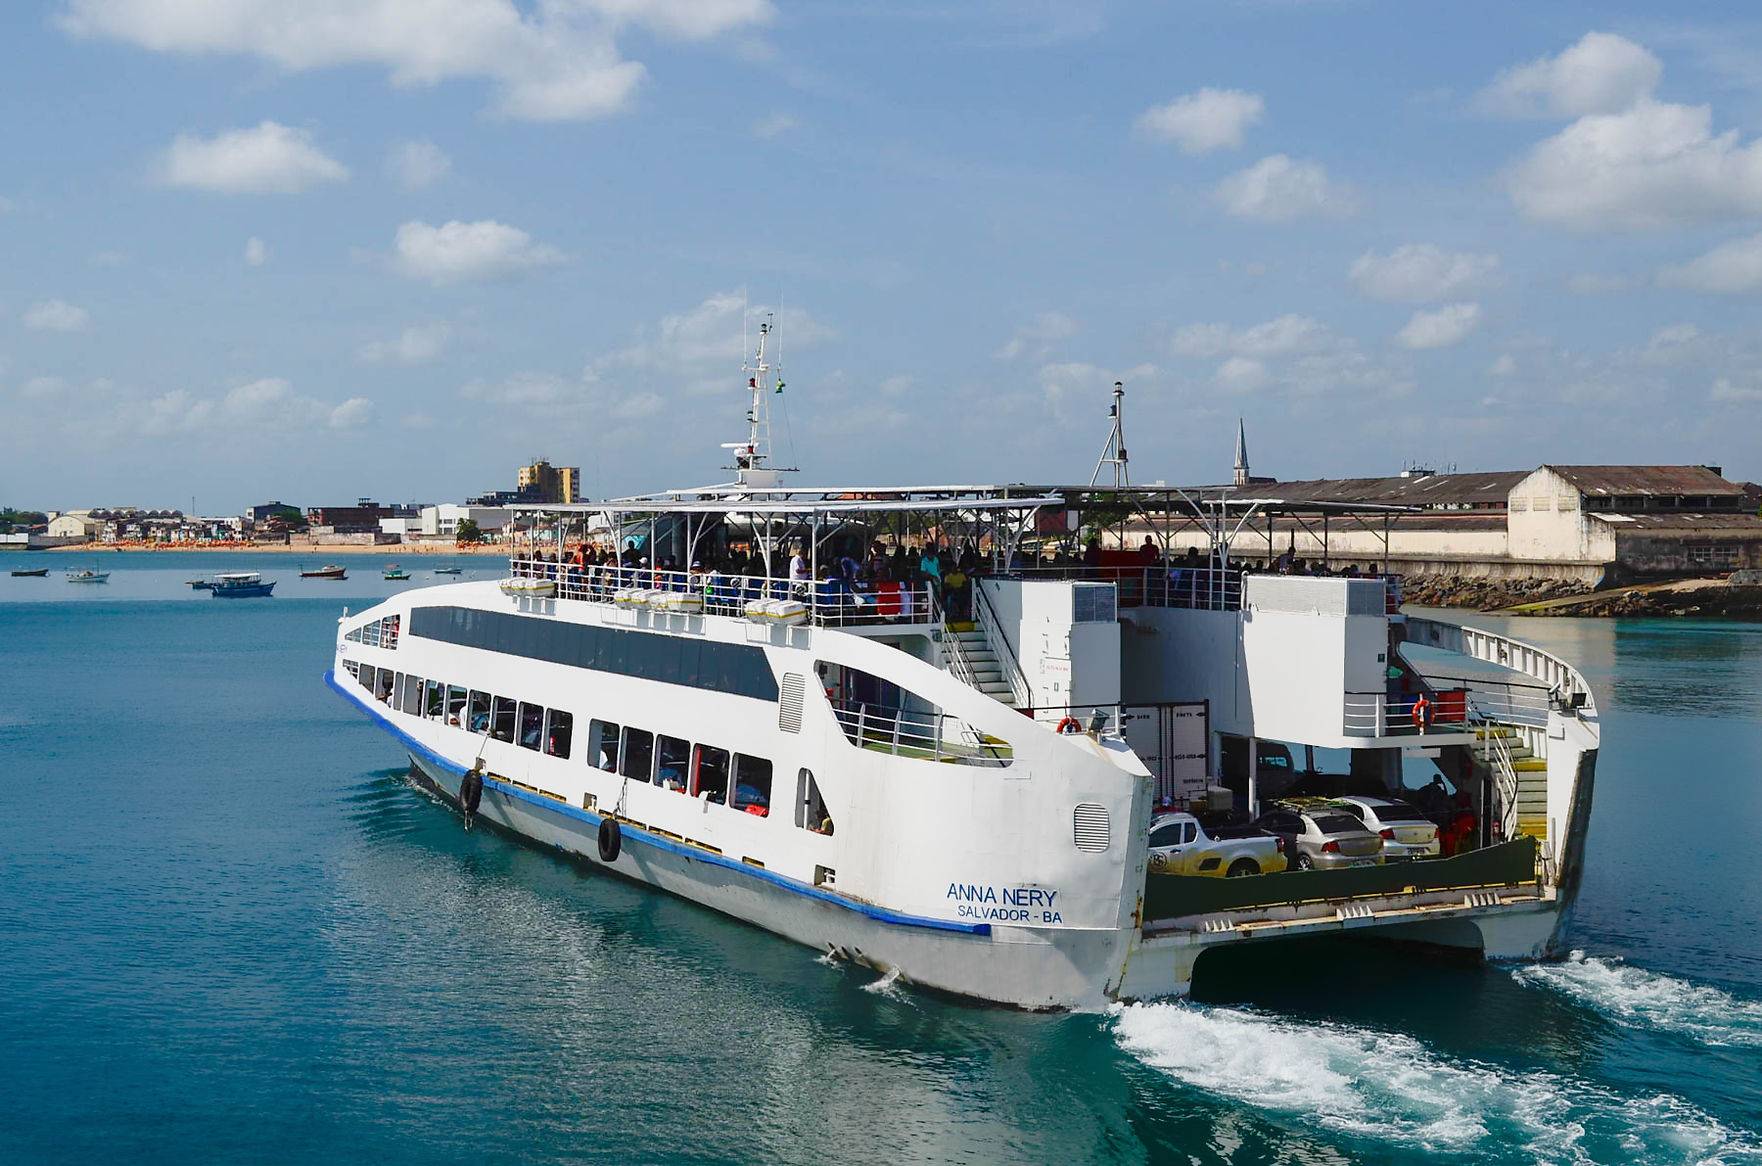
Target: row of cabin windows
(737, 780)
(381, 633)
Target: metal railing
(986, 620)
(926, 736)
(1567, 687)
(1379, 714)
(1197, 588)
(827, 603)
(1496, 752)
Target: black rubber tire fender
(611, 840)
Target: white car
(1406, 832)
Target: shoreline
(391, 550)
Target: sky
(393, 248)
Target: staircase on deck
(1530, 771)
(984, 667)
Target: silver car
(1324, 837)
(1406, 833)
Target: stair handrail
(988, 622)
(1497, 754)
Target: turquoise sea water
(232, 932)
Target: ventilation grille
(789, 699)
(1089, 826)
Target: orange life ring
(1069, 725)
(1422, 713)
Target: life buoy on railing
(1069, 725)
(1422, 713)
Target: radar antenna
(1114, 452)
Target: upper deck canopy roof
(795, 500)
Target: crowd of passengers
(884, 583)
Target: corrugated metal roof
(1683, 522)
(1481, 489)
(1617, 480)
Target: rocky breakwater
(1739, 598)
(1484, 594)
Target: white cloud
(1505, 366)
(1082, 381)
(417, 165)
(702, 346)
(1732, 268)
(1038, 338)
(456, 252)
(1654, 165)
(351, 414)
(268, 159)
(56, 316)
(1730, 392)
(1281, 336)
(265, 405)
(1242, 374)
(1602, 73)
(417, 344)
(1418, 273)
(1211, 119)
(1677, 344)
(1278, 189)
(256, 252)
(1448, 325)
(549, 61)
(775, 126)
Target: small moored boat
(328, 571)
(240, 585)
(448, 571)
(88, 576)
(201, 584)
(394, 572)
(36, 573)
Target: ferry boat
(954, 781)
(240, 585)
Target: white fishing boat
(955, 782)
(87, 575)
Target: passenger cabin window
(383, 686)
(532, 726)
(639, 754)
(412, 695)
(503, 719)
(559, 732)
(602, 746)
(752, 785)
(810, 807)
(479, 712)
(434, 705)
(456, 706)
(672, 759)
(366, 677)
(711, 775)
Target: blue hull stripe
(645, 838)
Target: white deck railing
(1560, 681)
(829, 602)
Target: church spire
(1242, 478)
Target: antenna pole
(1114, 452)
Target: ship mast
(764, 380)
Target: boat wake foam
(1391, 1088)
(887, 985)
(1642, 999)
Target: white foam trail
(887, 985)
(1391, 1088)
(1642, 999)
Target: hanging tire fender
(611, 840)
(471, 791)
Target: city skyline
(310, 254)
